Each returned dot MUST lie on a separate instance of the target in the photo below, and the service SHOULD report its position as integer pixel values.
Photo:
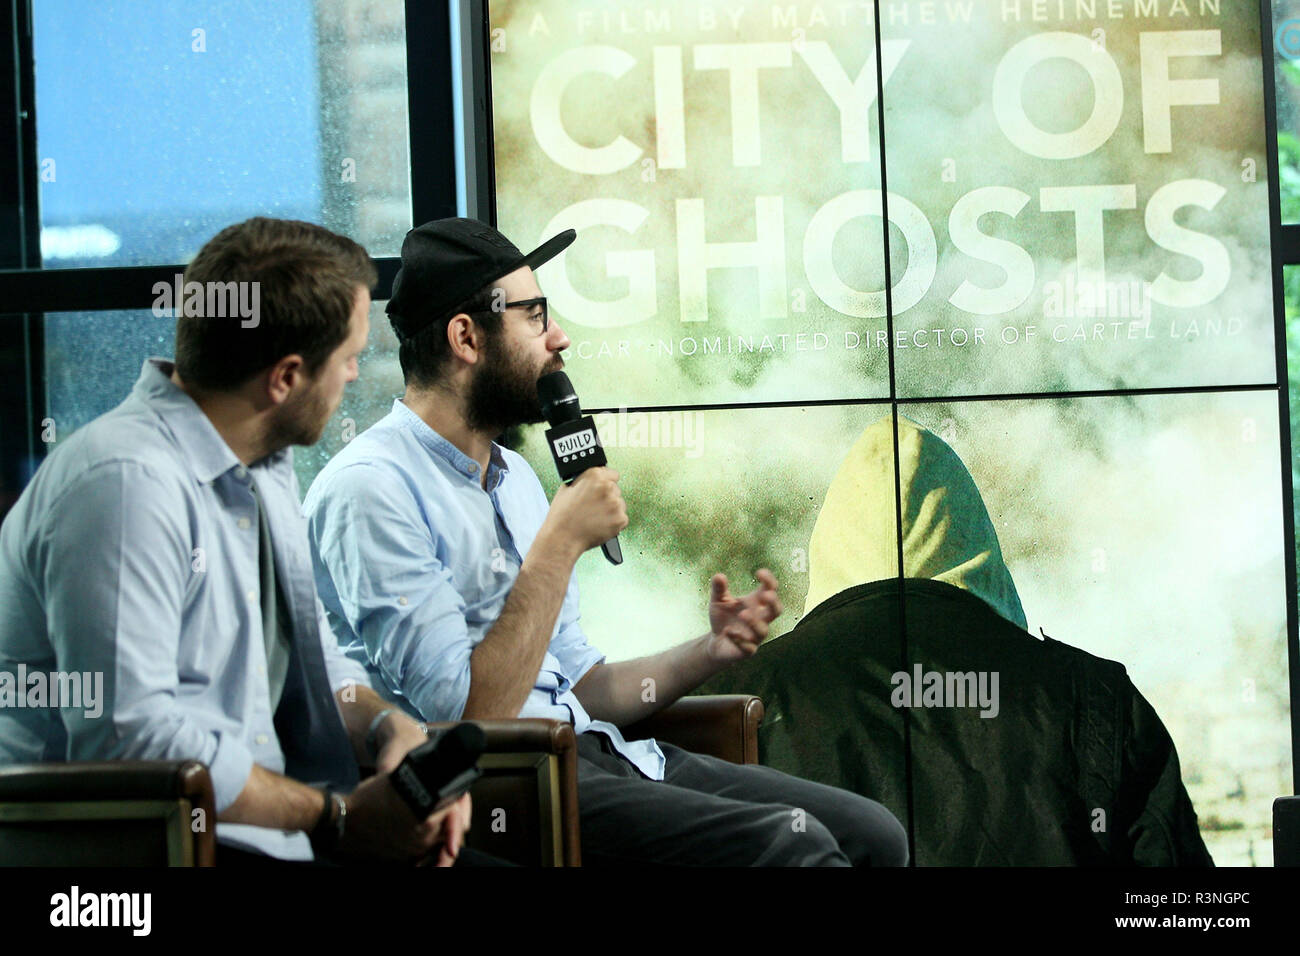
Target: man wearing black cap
(444, 570)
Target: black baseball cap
(446, 261)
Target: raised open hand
(739, 625)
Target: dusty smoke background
(939, 110)
(744, 496)
(1141, 529)
(799, 163)
(1144, 529)
(943, 142)
(1147, 530)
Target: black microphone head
(468, 739)
(458, 746)
(559, 400)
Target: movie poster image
(709, 490)
(1085, 521)
(1082, 522)
(1076, 196)
(1077, 200)
(1146, 530)
(701, 158)
(1081, 194)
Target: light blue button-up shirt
(133, 555)
(414, 561)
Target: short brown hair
(307, 280)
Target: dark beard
(302, 424)
(502, 394)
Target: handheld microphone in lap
(436, 773)
(572, 439)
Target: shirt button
(261, 740)
(402, 601)
(261, 668)
(241, 473)
(251, 595)
(473, 468)
(244, 524)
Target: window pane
(159, 124)
(1092, 239)
(1291, 296)
(1144, 530)
(365, 401)
(1286, 74)
(704, 500)
(92, 360)
(726, 250)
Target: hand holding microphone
(576, 449)
(591, 509)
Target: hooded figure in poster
(1019, 751)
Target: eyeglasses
(530, 305)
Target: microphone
(572, 438)
(436, 773)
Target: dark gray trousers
(709, 812)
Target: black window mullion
(22, 357)
(1286, 251)
(430, 110)
(1288, 244)
(117, 287)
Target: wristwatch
(330, 826)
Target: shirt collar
(467, 466)
(202, 446)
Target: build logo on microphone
(578, 445)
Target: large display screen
(1018, 339)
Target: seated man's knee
(871, 835)
(892, 850)
(797, 838)
(884, 843)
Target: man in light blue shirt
(443, 568)
(160, 554)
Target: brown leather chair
(152, 813)
(721, 725)
(526, 802)
(111, 813)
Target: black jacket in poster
(1018, 751)
(1074, 768)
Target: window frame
(451, 173)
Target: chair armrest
(529, 733)
(721, 725)
(120, 781)
(535, 735)
(108, 780)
